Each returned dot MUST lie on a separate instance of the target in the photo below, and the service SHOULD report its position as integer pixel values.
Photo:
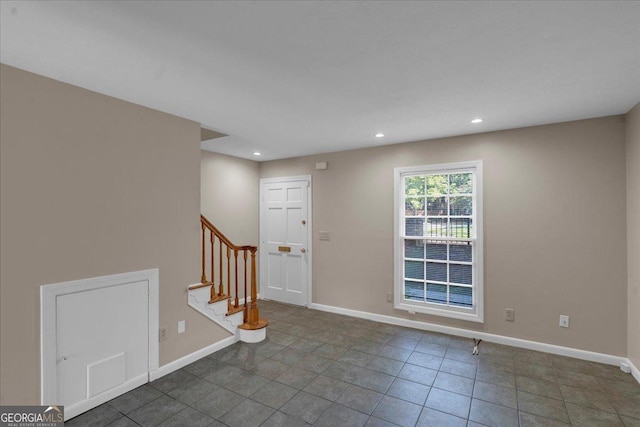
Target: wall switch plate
(163, 334)
(564, 321)
(389, 297)
(181, 326)
(509, 314)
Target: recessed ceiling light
(257, 153)
(478, 120)
(379, 135)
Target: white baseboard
(634, 370)
(190, 358)
(498, 339)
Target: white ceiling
(296, 78)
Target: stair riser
(198, 299)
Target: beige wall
(230, 190)
(554, 228)
(91, 186)
(633, 235)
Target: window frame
(476, 312)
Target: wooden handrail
(251, 313)
(206, 223)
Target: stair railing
(221, 246)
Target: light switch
(181, 326)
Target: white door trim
(48, 334)
(263, 260)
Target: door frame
(48, 335)
(263, 254)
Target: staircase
(231, 300)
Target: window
(438, 240)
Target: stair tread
(219, 298)
(201, 285)
(234, 310)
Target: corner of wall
(633, 234)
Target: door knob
(303, 250)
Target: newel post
(203, 278)
(253, 310)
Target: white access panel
(102, 340)
(98, 338)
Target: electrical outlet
(163, 333)
(181, 326)
(389, 297)
(564, 321)
(510, 314)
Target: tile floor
(332, 370)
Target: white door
(99, 338)
(102, 340)
(284, 233)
